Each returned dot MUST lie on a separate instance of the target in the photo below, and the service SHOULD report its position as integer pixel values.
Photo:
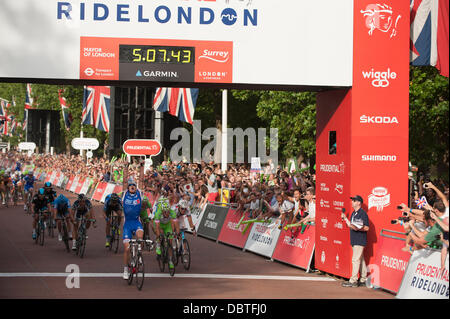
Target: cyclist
(61, 210)
(39, 203)
(28, 187)
(183, 213)
(132, 207)
(146, 219)
(51, 195)
(82, 206)
(17, 183)
(112, 204)
(165, 221)
(5, 186)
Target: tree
(429, 120)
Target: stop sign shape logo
(142, 147)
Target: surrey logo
(379, 198)
(381, 17)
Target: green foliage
(429, 120)
(46, 97)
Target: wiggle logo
(379, 79)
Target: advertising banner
(98, 194)
(263, 237)
(215, 41)
(79, 185)
(391, 262)
(232, 233)
(74, 185)
(197, 215)
(295, 248)
(64, 182)
(85, 187)
(138, 147)
(109, 189)
(424, 278)
(91, 190)
(69, 183)
(212, 221)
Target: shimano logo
(378, 158)
(368, 119)
(379, 79)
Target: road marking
(159, 275)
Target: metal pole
(224, 130)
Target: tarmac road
(217, 271)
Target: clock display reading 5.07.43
(156, 54)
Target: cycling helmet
(25, 173)
(48, 184)
(41, 191)
(61, 197)
(81, 197)
(131, 182)
(183, 204)
(30, 173)
(114, 197)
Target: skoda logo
(229, 16)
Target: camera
(400, 219)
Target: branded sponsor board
(183, 41)
(232, 233)
(84, 189)
(100, 189)
(197, 215)
(296, 248)
(212, 221)
(69, 183)
(263, 238)
(79, 143)
(74, 184)
(424, 278)
(391, 262)
(109, 189)
(141, 147)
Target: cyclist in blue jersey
(112, 204)
(61, 210)
(132, 204)
(28, 187)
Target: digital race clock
(156, 54)
(156, 63)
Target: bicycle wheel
(186, 255)
(162, 257)
(176, 256)
(51, 233)
(171, 270)
(41, 233)
(140, 271)
(116, 240)
(65, 236)
(131, 268)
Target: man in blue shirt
(61, 210)
(359, 226)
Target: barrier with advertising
(391, 261)
(80, 184)
(98, 193)
(74, 185)
(424, 278)
(232, 233)
(91, 189)
(263, 237)
(69, 183)
(85, 187)
(197, 215)
(212, 221)
(296, 248)
(109, 189)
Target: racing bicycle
(183, 251)
(82, 236)
(136, 265)
(163, 259)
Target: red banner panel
(391, 262)
(98, 194)
(232, 236)
(69, 183)
(80, 185)
(296, 248)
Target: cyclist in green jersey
(165, 221)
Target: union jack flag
(4, 117)
(421, 202)
(179, 102)
(96, 104)
(28, 98)
(429, 43)
(67, 116)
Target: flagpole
(224, 130)
(81, 136)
